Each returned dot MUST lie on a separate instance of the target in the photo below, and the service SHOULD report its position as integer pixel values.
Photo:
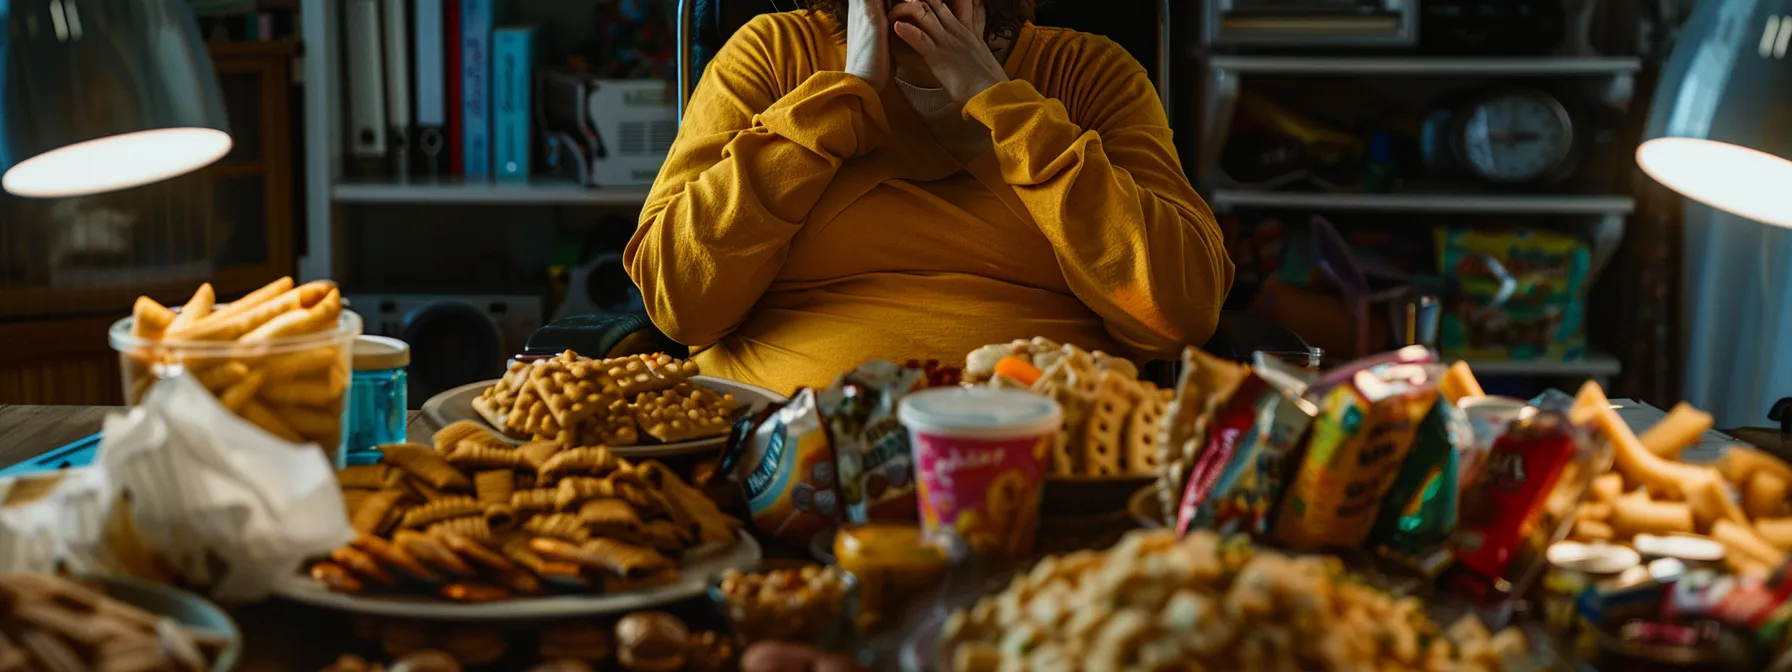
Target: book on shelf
(431, 74)
(475, 87)
(513, 68)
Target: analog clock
(1505, 136)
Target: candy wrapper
(1253, 447)
(1534, 474)
(1360, 439)
(787, 473)
(877, 472)
(1206, 384)
(189, 491)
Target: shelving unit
(1223, 77)
(534, 192)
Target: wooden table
(279, 636)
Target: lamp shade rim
(1734, 178)
(116, 162)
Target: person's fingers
(924, 14)
(965, 10)
(915, 37)
(949, 21)
(911, 12)
(778, 657)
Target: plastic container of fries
(294, 385)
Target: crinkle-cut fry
(476, 455)
(585, 461)
(515, 546)
(369, 476)
(150, 319)
(608, 515)
(471, 527)
(271, 422)
(442, 509)
(197, 307)
(501, 516)
(562, 526)
(494, 486)
(371, 515)
(432, 552)
(424, 463)
(1680, 428)
(534, 500)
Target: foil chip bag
(786, 471)
(1420, 510)
(1253, 445)
(871, 447)
(1360, 440)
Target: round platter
(699, 565)
(454, 405)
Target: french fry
(265, 418)
(221, 327)
(311, 421)
(1608, 487)
(1673, 433)
(303, 363)
(1776, 531)
(1599, 511)
(302, 393)
(1711, 502)
(252, 299)
(1639, 465)
(219, 379)
(1742, 540)
(241, 392)
(197, 307)
(1764, 496)
(1740, 462)
(150, 319)
(1638, 514)
(1587, 403)
(318, 317)
(1593, 530)
(1459, 383)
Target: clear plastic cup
(980, 460)
(295, 388)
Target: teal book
(513, 71)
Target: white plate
(700, 564)
(455, 405)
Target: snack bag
(1207, 382)
(1419, 512)
(1253, 445)
(787, 474)
(872, 449)
(1506, 522)
(1362, 435)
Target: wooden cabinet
(69, 267)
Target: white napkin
(62, 528)
(230, 509)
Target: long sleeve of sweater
(1097, 170)
(752, 158)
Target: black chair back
(1136, 25)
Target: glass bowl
(829, 622)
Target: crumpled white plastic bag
(63, 528)
(230, 509)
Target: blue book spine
(475, 91)
(513, 65)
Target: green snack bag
(1419, 512)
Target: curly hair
(1004, 17)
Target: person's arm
(1099, 173)
(753, 156)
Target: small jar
(377, 399)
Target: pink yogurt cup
(981, 455)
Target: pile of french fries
(252, 354)
(1740, 500)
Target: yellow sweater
(805, 222)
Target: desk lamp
(103, 95)
(1720, 129)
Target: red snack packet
(1508, 519)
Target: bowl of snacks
(51, 620)
(278, 357)
(789, 601)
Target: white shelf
(533, 192)
(1596, 365)
(1424, 65)
(1501, 204)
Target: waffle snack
(456, 523)
(607, 402)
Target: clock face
(1516, 137)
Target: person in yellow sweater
(947, 176)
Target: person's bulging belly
(806, 336)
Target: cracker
(372, 512)
(447, 438)
(1107, 424)
(426, 465)
(368, 476)
(534, 500)
(430, 551)
(572, 392)
(470, 454)
(536, 453)
(589, 461)
(610, 517)
(494, 486)
(684, 412)
(562, 526)
(440, 510)
(648, 373)
(1141, 453)
(472, 527)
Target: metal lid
(1595, 558)
(378, 353)
(1688, 547)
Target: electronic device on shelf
(1505, 136)
(454, 339)
(606, 132)
(1311, 23)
